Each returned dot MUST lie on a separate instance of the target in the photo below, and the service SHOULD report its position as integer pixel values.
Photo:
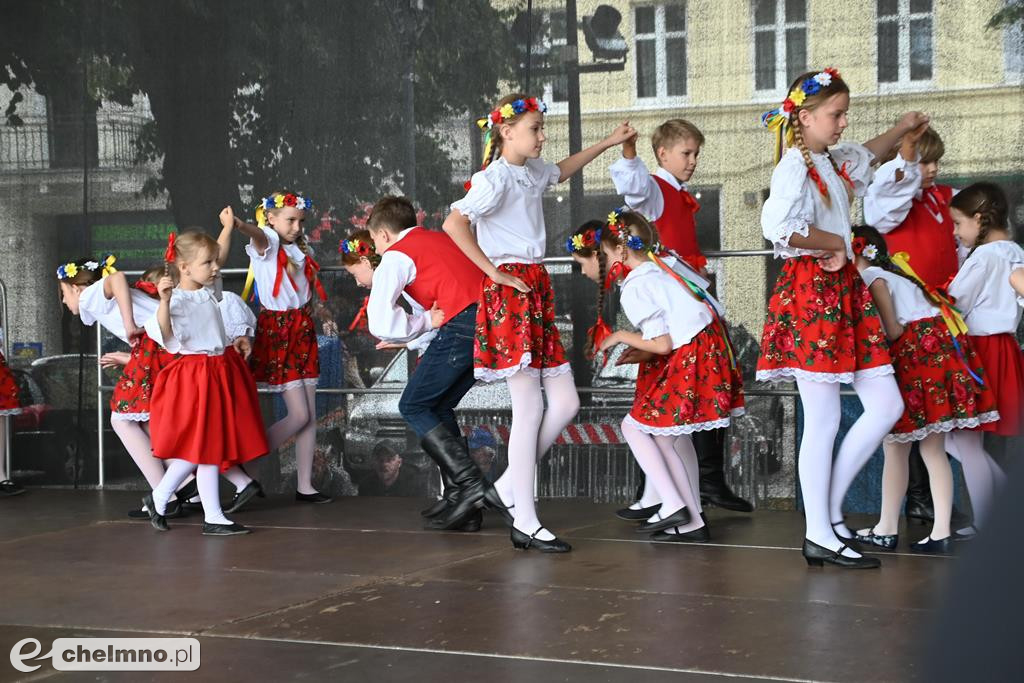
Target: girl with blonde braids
(822, 328)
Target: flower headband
(588, 239)
(68, 270)
(500, 116)
(280, 201)
(619, 228)
(777, 120)
(862, 248)
(355, 246)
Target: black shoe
(701, 535)
(817, 556)
(524, 542)
(232, 529)
(173, 510)
(9, 489)
(492, 501)
(631, 515)
(840, 536)
(251, 490)
(928, 546)
(726, 499)
(451, 454)
(881, 542)
(316, 498)
(474, 522)
(968, 533)
(710, 446)
(919, 511)
(680, 517)
(158, 521)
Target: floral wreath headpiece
(778, 120)
(862, 248)
(66, 271)
(280, 201)
(616, 225)
(499, 116)
(356, 246)
(588, 239)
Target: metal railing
(43, 146)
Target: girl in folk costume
(941, 380)
(687, 381)
(284, 357)
(205, 411)
(822, 328)
(516, 337)
(10, 404)
(984, 292)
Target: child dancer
(284, 357)
(10, 404)
(516, 337)
(663, 198)
(205, 411)
(688, 384)
(822, 328)
(939, 377)
(984, 292)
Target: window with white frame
(780, 43)
(905, 44)
(660, 50)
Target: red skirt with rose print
(284, 352)
(132, 393)
(939, 394)
(821, 326)
(515, 331)
(693, 389)
(10, 404)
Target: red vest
(677, 228)
(443, 273)
(929, 243)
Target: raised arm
(880, 145)
(572, 165)
(253, 232)
(116, 286)
(227, 225)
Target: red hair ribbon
(169, 254)
(312, 269)
(618, 271)
(597, 334)
(845, 176)
(812, 173)
(360, 320)
(146, 286)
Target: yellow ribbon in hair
(952, 317)
(778, 124)
(108, 266)
(250, 280)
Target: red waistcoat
(676, 225)
(929, 243)
(443, 273)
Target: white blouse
(657, 304)
(642, 192)
(197, 326)
(888, 200)
(682, 268)
(907, 298)
(264, 266)
(983, 292)
(94, 306)
(504, 203)
(794, 203)
(239, 320)
(385, 318)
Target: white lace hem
(943, 427)
(792, 374)
(488, 376)
(11, 411)
(129, 417)
(786, 229)
(279, 388)
(677, 430)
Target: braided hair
(588, 249)
(988, 202)
(882, 259)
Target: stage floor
(355, 591)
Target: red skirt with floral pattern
(821, 326)
(939, 394)
(516, 330)
(133, 391)
(1003, 360)
(693, 389)
(284, 352)
(10, 403)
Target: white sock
(883, 407)
(208, 481)
(681, 458)
(177, 472)
(652, 462)
(648, 498)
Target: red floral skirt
(284, 352)
(692, 389)
(821, 326)
(1003, 361)
(515, 330)
(10, 403)
(132, 393)
(939, 394)
(205, 410)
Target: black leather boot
(919, 505)
(710, 447)
(450, 453)
(446, 500)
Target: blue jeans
(442, 377)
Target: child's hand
(629, 148)
(164, 287)
(114, 359)
(911, 121)
(622, 132)
(133, 333)
(610, 341)
(436, 317)
(896, 333)
(383, 345)
(243, 346)
(631, 355)
(227, 217)
(506, 280)
(833, 260)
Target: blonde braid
(798, 142)
(835, 167)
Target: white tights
(533, 431)
(824, 484)
(207, 480)
(300, 422)
(981, 473)
(895, 475)
(670, 467)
